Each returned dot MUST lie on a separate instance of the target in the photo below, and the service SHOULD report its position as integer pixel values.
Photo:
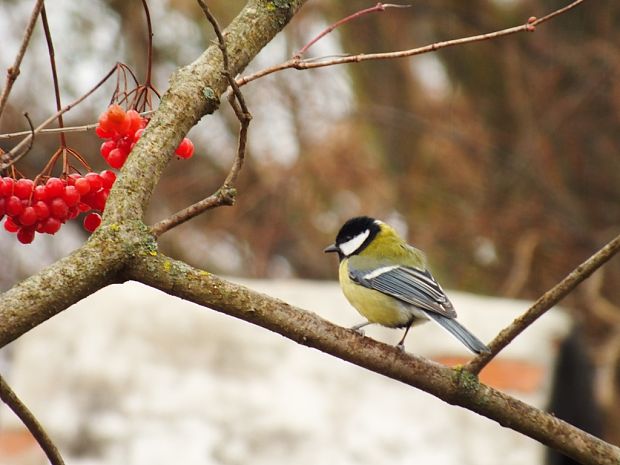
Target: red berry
(83, 207)
(117, 120)
(135, 122)
(107, 178)
(106, 148)
(2, 206)
(82, 185)
(124, 144)
(51, 226)
(94, 180)
(103, 133)
(185, 148)
(92, 221)
(99, 200)
(138, 134)
(54, 187)
(10, 225)
(59, 209)
(14, 206)
(71, 196)
(116, 159)
(39, 193)
(25, 235)
(105, 125)
(42, 210)
(23, 188)
(28, 217)
(6, 188)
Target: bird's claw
(359, 331)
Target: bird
(389, 283)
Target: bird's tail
(460, 332)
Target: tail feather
(460, 332)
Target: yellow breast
(375, 306)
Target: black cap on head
(354, 236)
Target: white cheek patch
(349, 247)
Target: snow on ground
(131, 375)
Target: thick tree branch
(93, 266)
(123, 248)
(194, 91)
(226, 194)
(454, 386)
(29, 420)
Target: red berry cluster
(121, 130)
(44, 208)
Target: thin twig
(544, 303)
(52, 55)
(299, 64)
(379, 7)
(149, 63)
(27, 116)
(16, 153)
(226, 194)
(13, 71)
(244, 119)
(51, 131)
(29, 420)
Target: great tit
(388, 281)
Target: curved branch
(455, 386)
(29, 420)
(297, 63)
(544, 303)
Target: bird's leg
(401, 344)
(358, 328)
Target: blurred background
(500, 159)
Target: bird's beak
(331, 248)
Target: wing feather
(408, 284)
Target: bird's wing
(408, 284)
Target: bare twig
(27, 116)
(42, 132)
(16, 153)
(226, 194)
(544, 303)
(52, 55)
(299, 64)
(149, 63)
(379, 7)
(13, 71)
(28, 419)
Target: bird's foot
(358, 328)
(401, 346)
(359, 331)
